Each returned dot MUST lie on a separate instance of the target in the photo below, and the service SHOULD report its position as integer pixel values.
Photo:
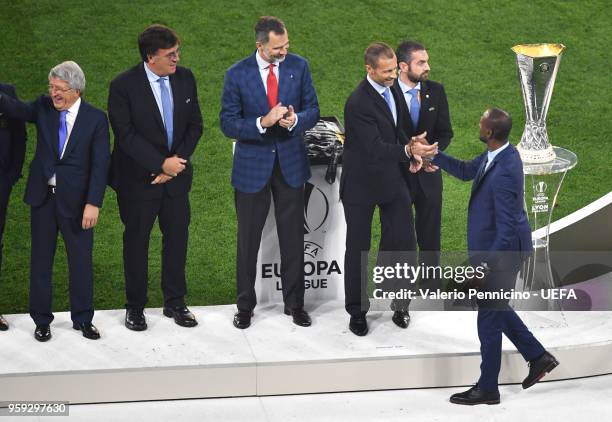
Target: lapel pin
(188, 100)
(426, 95)
(291, 76)
(432, 108)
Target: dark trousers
(251, 211)
(138, 217)
(397, 234)
(45, 223)
(427, 223)
(5, 193)
(495, 318)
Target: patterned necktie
(272, 85)
(167, 110)
(415, 107)
(481, 172)
(63, 132)
(387, 96)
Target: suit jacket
(141, 142)
(81, 174)
(497, 221)
(12, 142)
(374, 161)
(435, 119)
(244, 100)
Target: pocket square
(431, 108)
(188, 100)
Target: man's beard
(414, 78)
(483, 139)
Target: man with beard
(429, 118)
(376, 158)
(268, 102)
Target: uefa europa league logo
(537, 69)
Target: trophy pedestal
(542, 185)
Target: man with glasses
(155, 115)
(65, 189)
(12, 152)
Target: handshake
(421, 153)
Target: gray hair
(70, 72)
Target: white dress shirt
(381, 89)
(406, 90)
(264, 71)
(71, 116)
(492, 154)
(157, 90)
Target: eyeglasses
(174, 55)
(57, 89)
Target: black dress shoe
(88, 329)
(300, 316)
(475, 396)
(3, 324)
(401, 318)
(42, 332)
(182, 316)
(242, 319)
(358, 325)
(538, 368)
(135, 319)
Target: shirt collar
(492, 154)
(74, 108)
(152, 76)
(378, 87)
(405, 88)
(262, 64)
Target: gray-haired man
(65, 190)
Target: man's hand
(174, 165)
(429, 167)
(274, 115)
(90, 216)
(161, 178)
(419, 146)
(289, 119)
(416, 162)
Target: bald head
(496, 125)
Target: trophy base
(536, 156)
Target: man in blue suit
(65, 190)
(268, 102)
(499, 237)
(12, 153)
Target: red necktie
(272, 87)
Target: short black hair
(267, 24)
(375, 51)
(406, 48)
(499, 122)
(155, 37)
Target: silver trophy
(537, 70)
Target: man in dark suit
(428, 116)
(12, 153)
(499, 237)
(268, 102)
(376, 158)
(65, 190)
(155, 115)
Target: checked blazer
(244, 100)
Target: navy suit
(274, 163)
(498, 234)
(81, 176)
(12, 153)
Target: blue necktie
(387, 96)
(481, 172)
(63, 132)
(415, 107)
(167, 110)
